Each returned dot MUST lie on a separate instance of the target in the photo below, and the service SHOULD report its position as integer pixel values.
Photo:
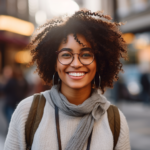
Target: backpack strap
(114, 122)
(34, 118)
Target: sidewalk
(3, 126)
(138, 118)
(2, 140)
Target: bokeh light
(40, 17)
(23, 57)
(62, 7)
(15, 25)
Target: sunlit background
(19, 19)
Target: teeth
(77, 74)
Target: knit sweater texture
(45, 137)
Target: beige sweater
(45, 137)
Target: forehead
(72, 43)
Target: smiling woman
(77, 55)
(76, 68)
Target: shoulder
(124, 140)
(46, 94)
(16, 133)
(121, 115)
(22, 110)
(112, 114)
(25, 103)
(123, 122)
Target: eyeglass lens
(66, 57)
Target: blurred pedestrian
(145, 82)
(122, 91)
(78, 55)
(14, 89)
(7, 73)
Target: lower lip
(76, 77)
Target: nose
(76, 62)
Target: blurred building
(18, 18)
(15, 30)
(135, 14)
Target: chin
(77, 86)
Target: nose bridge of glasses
(76, 58)
(76, 54)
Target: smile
(76, 74)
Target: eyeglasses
(66, 57)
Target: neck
(76, 96)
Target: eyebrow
(82, 49)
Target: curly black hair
(103, 35)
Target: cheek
(60, 68)
(92, 68)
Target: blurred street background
(131, 93)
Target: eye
(65, 55)
(86, 55)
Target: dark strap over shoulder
(34, 118)
(114, 122)
(57, 127)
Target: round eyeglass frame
(57, 52)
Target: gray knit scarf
(90, 110)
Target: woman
(79, 54)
